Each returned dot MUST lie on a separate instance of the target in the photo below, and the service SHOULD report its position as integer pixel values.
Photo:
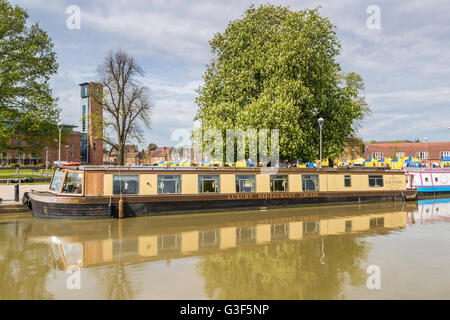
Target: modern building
(91, 148)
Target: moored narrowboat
(107, 191)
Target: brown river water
(388, 250)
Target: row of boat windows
(211, 239)
(208, 239)
(167, 184)
(171, 184)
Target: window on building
(245, 183)
(279, 183)
(378, 155)
(125, 184)
(310, 182)
(73, 183)
(19, 143)
(422, 155)
(399, 154)
(58, 177)
(376, 181)
(445, 154)
(85, 91)
(169, 184)
(348, 181)
(208, 183)
(83, 118)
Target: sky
(405, 63)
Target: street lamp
(60, 126)
(320, 121)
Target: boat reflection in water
(429, 211)
(319, 252)
(94, 243)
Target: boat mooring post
(16, 192)
(121, 213)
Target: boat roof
(136, 168)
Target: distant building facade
(135, 157)
(20, 154)
(433, 152)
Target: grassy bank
(25, 173)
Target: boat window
(310, 182)
(348, 181)
(125, 184)
(58, 177)
(73, 183)
(376, 222)
(279, 231)
(246, 235)
(245, 183)
(278, 183)
(169, 243)
(169, 184)
(209, 239)
(208, 183)
(376, 181)
(311, 227)
(348, 226)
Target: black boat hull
(134, 207)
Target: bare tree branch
(126, 102)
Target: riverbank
(8, 205)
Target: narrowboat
(429, 181)
(111, 191)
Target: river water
(389, 250)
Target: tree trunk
(121, 154)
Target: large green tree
(28, 110)
(276, 69)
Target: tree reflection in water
(286, 270)
(24, 266)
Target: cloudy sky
(405, 64)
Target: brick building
(159, 154)
(430, 151)
(21, 154)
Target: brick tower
(91, 149)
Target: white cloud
(405, 65)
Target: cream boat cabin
(97, 191)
